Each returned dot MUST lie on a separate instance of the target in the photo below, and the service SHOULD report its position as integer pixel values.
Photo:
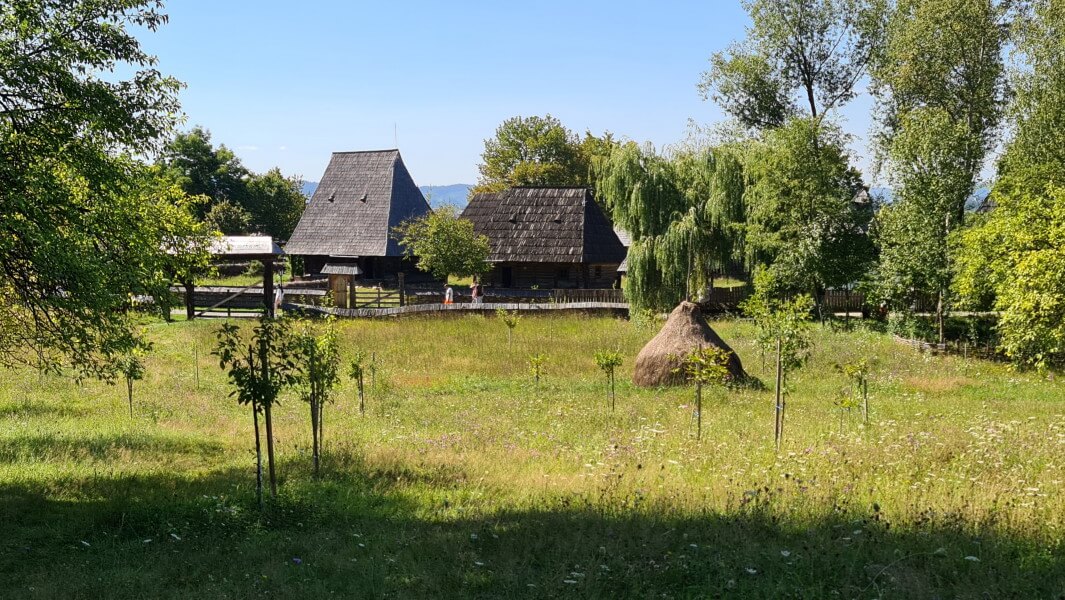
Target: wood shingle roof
(544, 224)
(361, 197)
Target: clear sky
(287, 83)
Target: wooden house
(345, 232)
(546, 237)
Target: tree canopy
(237, 200)
(538, 151)
(84, 227)
(444, 244)
(809, 53)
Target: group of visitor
(476, 293)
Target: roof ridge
(382, 151)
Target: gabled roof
(541, 224)
(361, 197)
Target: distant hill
(454, 194)
(437, 195)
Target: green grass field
(465, 480)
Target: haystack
(685, 330)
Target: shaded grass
(466, 480)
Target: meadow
(464, 479)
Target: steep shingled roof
(361, 197)
(541, 224)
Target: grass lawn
(465, 480)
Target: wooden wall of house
(552, 275)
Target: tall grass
(465, 479)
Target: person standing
(476, 292)
(449, 294)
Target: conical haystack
(685, 330)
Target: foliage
(228, 218)
(1017, 257)
(85, 227)
(608, 361)
(131, 366)
(317, 355)
(784, 323)
(813, 51)
(684, 214)
(259, 367)
(536, 366)
(275, 203)
(511, 320)
(191, 160)
(705, 365)
(357, 369)
(538, 151)
(808, 213)
(857, 371)
(445, 244)
(940, 99)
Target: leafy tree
(444, 244)
(858, 372)
(83, 226)
(511, 320)
(259, 367)
(940, 83)
(608, 361)
(131, 366)
(808, 215)
(536, 366)
(538, 151)
(684, 214)
(275, 203)
(193, 162)
(1017, 256)
(785, 320)
(705, 366)
(798, 52)
(318, 356)
(228, 218)
(357, 371)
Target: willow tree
(684, 213)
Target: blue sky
(285, 84)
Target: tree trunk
(258, 457)
(190, 300)
(698, 410)
(865, 400)
(612, 396)
(939, 316)
(779, 406)
(270, 450)
(129, 393)
(314, 432)
(268, 402)
(362, 397)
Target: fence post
(402, 289)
